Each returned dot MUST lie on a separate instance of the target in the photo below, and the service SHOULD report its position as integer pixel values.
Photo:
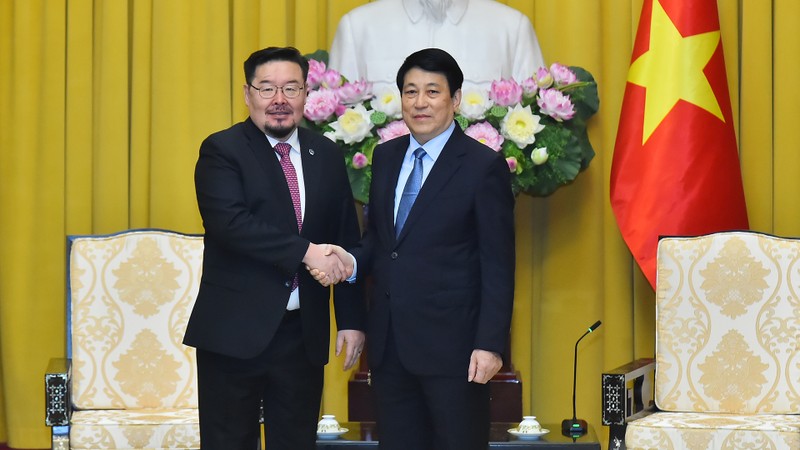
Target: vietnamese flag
(676, 167)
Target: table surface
(365, 435)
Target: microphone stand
(576, 427)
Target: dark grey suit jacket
(447, 282)
(252, 246)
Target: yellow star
(672, 70)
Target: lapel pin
(311, 151)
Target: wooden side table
(505, 394)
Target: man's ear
(246, 97)
(457, 99)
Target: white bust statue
(489, 40)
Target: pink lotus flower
(360, 160)
(321, 105)
(340, 108)
(486, 134)
(555, 104)
(353, 92)
(505, 92)
(331, 79)
(315, 71)
(512, 164)
(392, 130)
(562, 75)
(529, 87)
(543, 78)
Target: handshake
(328, 263)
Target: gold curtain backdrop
(103, 105)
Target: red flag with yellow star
(676, 167)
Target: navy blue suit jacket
(447, 282)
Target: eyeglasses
(269, 91)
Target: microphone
(576, 427)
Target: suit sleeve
(348, 298)
(494, 206)
(343, 55)
(364, 250)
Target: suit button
(387, 294)
(393, 255)
(288, 284)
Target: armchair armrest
(57, 399)
(627, 395)
(627, 391)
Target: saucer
(332, 434)
(527, 436)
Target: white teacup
(529, 425)
(328, 424)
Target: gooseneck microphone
(576, 427)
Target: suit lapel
(446, 165)
(265, 155)
(313, 172)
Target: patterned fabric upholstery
(727, 344)
(133, 381)
(135, 429)
(669, 430)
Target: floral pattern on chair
(727, 345)
(133, 382)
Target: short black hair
(433, 60)
(270, 54)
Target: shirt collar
(293, 140)
(433, 147)
(454, 14)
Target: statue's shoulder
(493, 8)
(382, 8)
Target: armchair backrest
(728, 324)
(129, 298)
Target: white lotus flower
(354, 125)
(520, 125)
(474, 104)
(539, 155)
(387, 101)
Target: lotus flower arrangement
(539, 124)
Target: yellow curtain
(103, 105)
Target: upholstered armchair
(727, 357)
(127, 381)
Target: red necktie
(283, 150)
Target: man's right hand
(326, 278)
(318, 256)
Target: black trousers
(230, 392)
(422, 412)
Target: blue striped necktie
(410, 191)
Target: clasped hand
(328, 263)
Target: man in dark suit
(267, 191)
(442, 276)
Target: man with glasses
(267, 192)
